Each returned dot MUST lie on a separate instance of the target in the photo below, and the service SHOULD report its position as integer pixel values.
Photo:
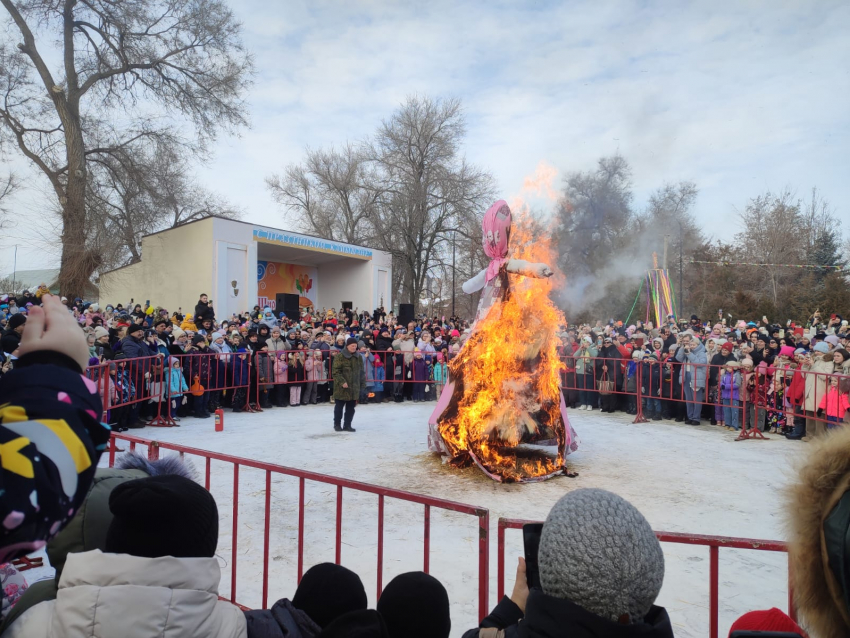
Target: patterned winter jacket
(51, 439)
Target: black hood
(549, 617)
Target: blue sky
(739, 97)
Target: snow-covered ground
(683, 478)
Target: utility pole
(681, 241)
(454, 235)
(664, 260)
(15, 270)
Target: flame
(540, 183)
(509, 370)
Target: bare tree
(120, 61)
(331, 194)
(143, 190)
(426, 187)
(406, 191)
(8, 185)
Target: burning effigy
(502, 407)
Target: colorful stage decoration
(659, 294)
(275, 277)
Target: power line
(744, 263)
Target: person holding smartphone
(600, 570)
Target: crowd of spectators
(790, 377)
(278, 361)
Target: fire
(510, 371)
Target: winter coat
(295, 374)
(697, 372)
(796, 392)
(427, 350)
(203, 311)
(264, 362)
(407, 347)
(550, 617)
(313, 369)
(441, 372)
(196, 363)
(717, 362)
(348, 368)
(280, 366)
(816, 381)
(86, 531)
(730, 386)
(368, 363)
(239, 371)
(380, 375)
(611, 358)
(50, 420)
(631, 376)
(121, 595)
(384, 344)
(176, 382)
(651, 378)
(275, 345)
(585, 360)
(418, 370)
(834, 403)
(281, 621)
(269, 320)
(108, 352)
(134, 348)
(814, 498)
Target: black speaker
(288, 305)
(348, 305)
(405, 314)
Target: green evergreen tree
(826, 251)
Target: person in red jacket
(796, 396)
(834, 403)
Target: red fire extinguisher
(219, 420)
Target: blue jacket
(380, 376)
(176, 382)
(134, 348)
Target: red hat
(727, 346)
(766, 620)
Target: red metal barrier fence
(779, 393)
(714, 543)
(243, 380)
(784, 393)
(270, 469)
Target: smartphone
(752, 633)
(147, 303)
(531, 542)
(100, 351)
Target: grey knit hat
(599, 552)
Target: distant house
(31, 279)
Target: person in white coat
(158, 577)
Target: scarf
(497, 232)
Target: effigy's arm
(528, 269)
(476, 283)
